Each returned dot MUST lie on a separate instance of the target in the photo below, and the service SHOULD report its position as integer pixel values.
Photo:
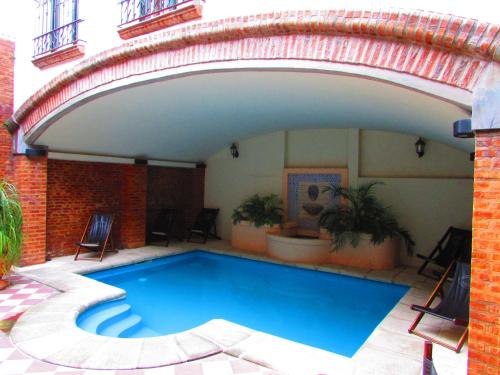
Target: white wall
(426, 205)
(257, 170)
(377, 149)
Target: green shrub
(358, 212)
(265, 210)
(11, 221)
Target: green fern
(359, 212)
(259, 210)
(11, 221)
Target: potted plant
(11, 220)
(364, 232)
(253, 219)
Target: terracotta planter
(298, 250)
(245, 236)
(369, 256)
(324, 234)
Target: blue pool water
(172, 294)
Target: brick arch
(442, 48)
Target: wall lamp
(463, 129)
(234, 151)
(35, 152)
(420, 147)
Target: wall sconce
(463, 129)
(234, 151)
(420, 147)
(35, 152)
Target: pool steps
(115, 319)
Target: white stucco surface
(427, 205)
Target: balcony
(58, 45)
(139, 17)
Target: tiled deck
(389, 350)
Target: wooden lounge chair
(454, 307)
(454, 244)
(205, 225)
(164, 224)
(97, 235)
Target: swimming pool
(173, 294)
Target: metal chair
(164, 224)
(454, 244)
(205, 225)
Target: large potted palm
(364, 232)
(253, 219)
(11, 220)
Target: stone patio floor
(389, 350)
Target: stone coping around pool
(388, 350)
(48, 332)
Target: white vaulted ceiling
(191, 117)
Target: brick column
(28, 175)
(6, 103)
(30, 178)
(484, 337)
(133, 203)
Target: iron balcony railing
(138, 10)
(59, 37)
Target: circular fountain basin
(298, 249)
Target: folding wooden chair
(454, 244)
(205, 225)
(97, 235)
(163, 225)
(428, 364)
(454, 307)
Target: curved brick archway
(441, 48)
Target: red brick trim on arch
(443, 48)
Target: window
(57, 25)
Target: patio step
(124, 327)
(107, 315)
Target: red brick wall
(484, 337)
(6, 101)
(179, 188)
(30, 178)
(75, 190)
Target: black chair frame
(205, 226)
(426, 309)
(444, 253)
(97, 236)
(164, 225)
